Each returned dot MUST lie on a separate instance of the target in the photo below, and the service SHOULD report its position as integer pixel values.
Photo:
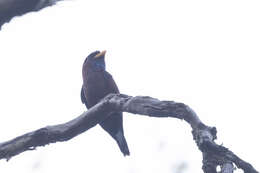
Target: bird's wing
(83, 98)
(111, 84)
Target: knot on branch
(204, 134)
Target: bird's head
(96, 61)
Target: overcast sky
(202, 53)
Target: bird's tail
(121, 141)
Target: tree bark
(213, 155)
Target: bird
(97, 83)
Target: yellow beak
(101, 54)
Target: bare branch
(204, 136)
(12, 8)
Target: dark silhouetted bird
(97, 83)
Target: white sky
(203, 53)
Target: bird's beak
(101, 54)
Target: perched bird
(97, 83)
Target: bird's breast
(96, 87)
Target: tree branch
(204, 136)
(12, 8)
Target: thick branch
(204, 136)
(12, 8)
